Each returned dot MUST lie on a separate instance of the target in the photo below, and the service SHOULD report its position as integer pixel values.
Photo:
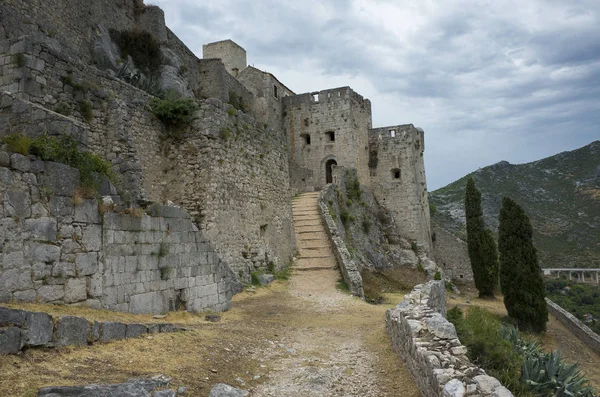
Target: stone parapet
(431, 349)
(347, 265)
(21, 329)
(582, 331)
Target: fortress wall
(451, 254)
(213, 81)
(398, 179)
(429, 346)
(265, 106)
(582, 331)
(124, 132)
(232, 173)
(73, 23)
(60, 248)
(340, 110)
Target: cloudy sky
(487, 80)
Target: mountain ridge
(560, 194)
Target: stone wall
(59, 247)
(213, 81)
(231, 172)
(341, 111)
(348, 267)
(428, 344)
(232, 55)
(251, 167)
(451, 254)
(23, 329)
(582, 331)
(268, 93)
(397, 174)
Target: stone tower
(231, 54)
(325, 129)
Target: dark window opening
(331, 136)
(275, 91)
(306, 138)
(263, 230)
(329, 170)
(306, 122)
(461, 276)
(396, 173)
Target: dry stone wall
(428, 344)
(58, 247)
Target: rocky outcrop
(430, 347)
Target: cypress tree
(520, 273)
(481, 245)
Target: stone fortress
(233, 173)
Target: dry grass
(378, 284)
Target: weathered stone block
(25, 296)
(10, 340)
(86, 263)
(50, 293)
(71, 330)
(223, 390)
(14, 259)
(88, 212)
(20, 162)
(75, 290)
(4, 159)
(12, 317)
(19, 203)
(61, 206)
(95, 331)
(153, 328)
(166, 211)
(15, 280)
(136, 330)
(38, 329)
(151, 302)
(45, 252)
(61, 179)
(43, 229)
(113, 331)
(91, 237)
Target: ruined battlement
(329, 96)
(399, 134)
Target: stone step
(313, 268)
(308, 217)
(307, 223)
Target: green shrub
(62, 108)
(64, 150)
(173, 111)
(349, 202)
(225, 133)
(345, 217)
(437, 275)
(87, 111)
(366, 225)
(141, 46)
(254, 277)
(18, 143)
(353, 189)
(414, 247)
(237, 102)
(341, 285)
(432, 209)
(231, 111)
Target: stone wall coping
(347, 265)
(582, 331)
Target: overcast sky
(487, 80)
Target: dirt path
(300, 338)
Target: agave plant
(547, 375)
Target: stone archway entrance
(329, 170)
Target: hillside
(561, 195)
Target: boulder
(12, 317)
(454, 388)
(10, 340)
(38, 329)
(113, 331)
(71, 330)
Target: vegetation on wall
(520, 273)
(63, 150)
(173, 111)
(483, 253)
(519, 364)
(581, 300)
(237, 102)
(141, 46)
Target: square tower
(231, 54)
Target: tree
(481, 245)
(521, 279)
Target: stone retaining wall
(582, 331)
(58, 246)
(428, 344)
(20, 329)
(347, 265)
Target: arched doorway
(329, 170)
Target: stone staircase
(314, 247)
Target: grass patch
(18, 143)
(225, 133)
(141, 46)
(342, 286)
(172, 111)
(87, 111)
(378, 283)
